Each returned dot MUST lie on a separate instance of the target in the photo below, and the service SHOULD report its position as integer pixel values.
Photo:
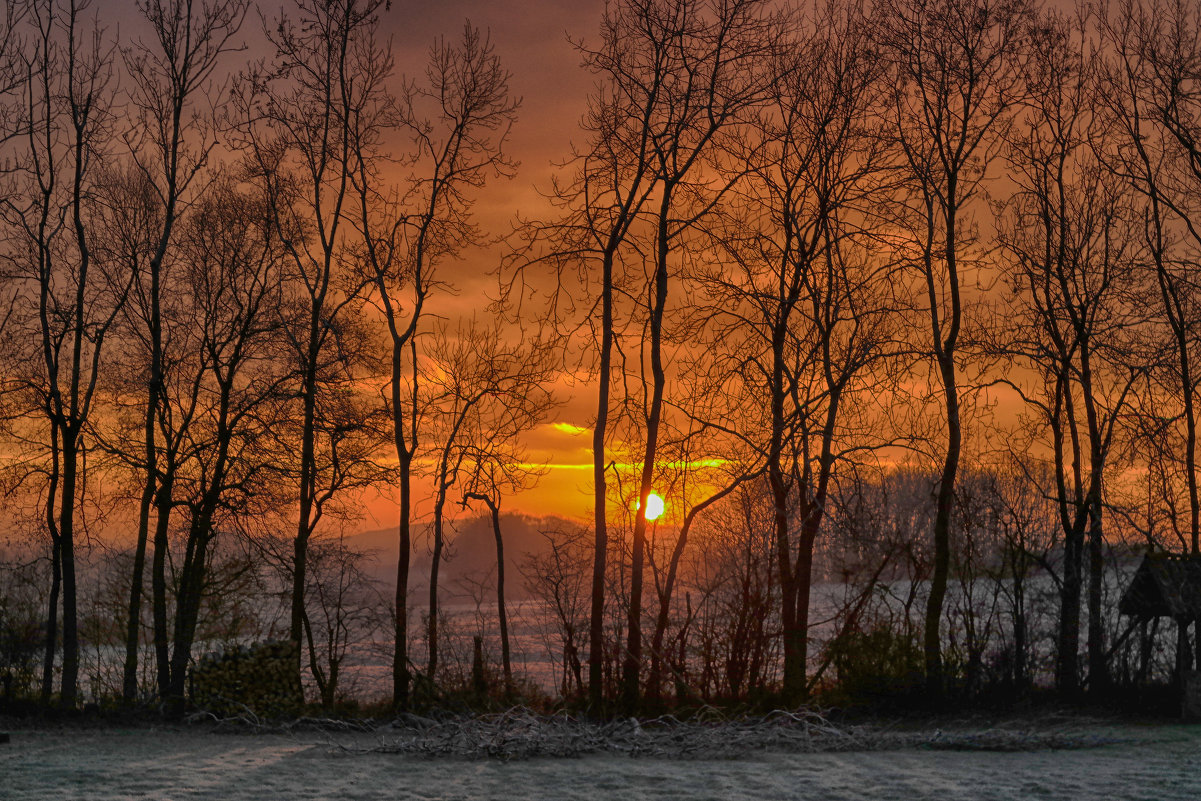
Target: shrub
(874, 666)
(262, 678)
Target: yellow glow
(568, 428)
(654, 506)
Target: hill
(468, 557)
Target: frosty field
(1157, 763)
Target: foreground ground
(1118, 761)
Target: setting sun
(654, 507)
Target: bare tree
(1153, 48)
(695, 482)
(609, 185)
(230, 392)
(170, 145)
(727, 645)
(805, 311)
(1071, 232)
(957, 69)
(71, 298)
(496, 461)
(345, 612)
(691, 70)
(558, 577)
(458, 120)
(485, 393)
(300, 119)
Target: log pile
(262, 679)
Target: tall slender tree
(172, 75)
(300, 122)
(805, 312)
(486, 393)
(458, 122)
(957, 69)
(1071, 231)
(1152, 50)
(72, 297)
(234, 393)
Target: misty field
(172, 764)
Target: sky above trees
(534, 43)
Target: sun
(654, 507)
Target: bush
(874, 667)
(262, 678)
(22, 641)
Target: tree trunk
(400, 650)
(935, 680)
(803, 576)
(66, 533)
(153, 389)
(432, 623)
(319, 678)
(1098, 668)
(596, 624)
(1098, 665)
(501, 615)
(56, 582)
(401, 678)
(633, 661)
(129, 685)
(1019, 631)
(136, 586)
(794, 669)
(307, 469)
(158, 580)
(1067, 670)
(187, 613)
(655, 680)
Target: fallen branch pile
(521, 734)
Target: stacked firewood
(262, 679)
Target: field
(1157, 763)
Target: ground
(1154, 762)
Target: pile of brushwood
(257, 681)
(522, 734)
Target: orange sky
(531, 37)
(565, 491)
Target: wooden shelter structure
(1165, 585)
(1169, 585)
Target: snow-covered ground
(1157, 763)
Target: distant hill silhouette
(468, 556)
